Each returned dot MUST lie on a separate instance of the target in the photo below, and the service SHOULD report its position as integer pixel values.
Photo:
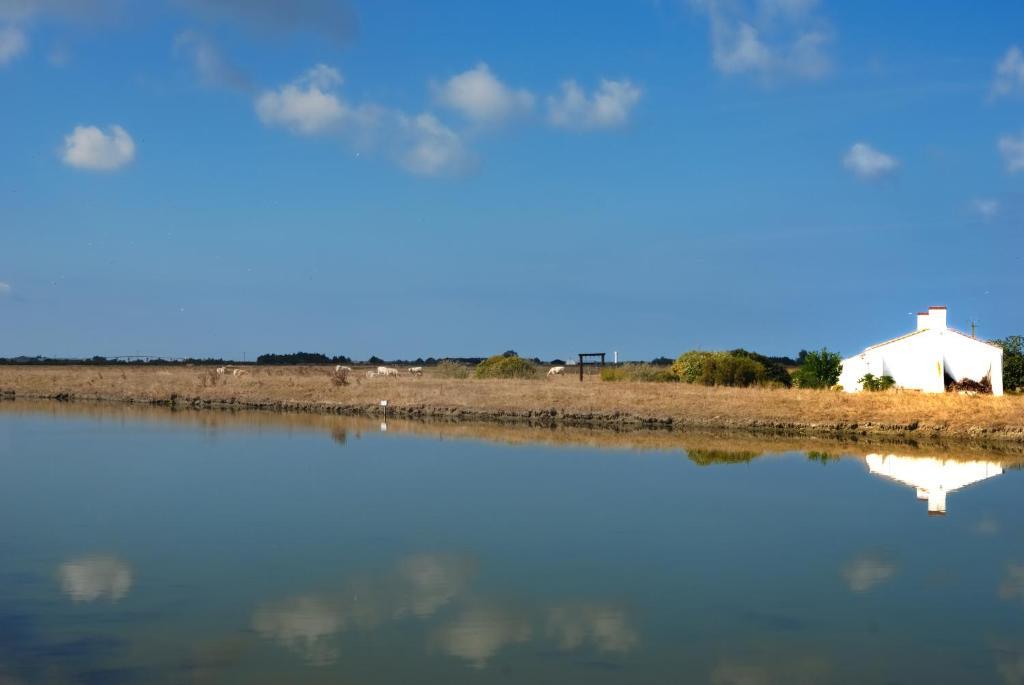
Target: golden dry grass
(563, 400)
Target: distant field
(562, 400)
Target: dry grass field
(560, 400)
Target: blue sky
(402, 179)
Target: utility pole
(974, 325)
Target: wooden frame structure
(583, 356)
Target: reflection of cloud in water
(867, 571)
(432, 581)
(776, 670)
(90, 578)
(303, 624)
(607, 629)
(987, 526)
(478, 633)
(1010, 662)
(419, 587)
(1012, 586)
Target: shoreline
(900, 417)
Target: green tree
(1013, 362)
(820, 369)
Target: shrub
(638, 372)
(873, 383)
(721, 368)
(689, 367)
(774, 368)
(819, 369)
(446, 368)
(707, 457)
(501, 366)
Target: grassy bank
(560, 400)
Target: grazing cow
(556, 370)
(416, 370)
(339, 368)
(239, 372)
(386, 371)
(221, 370)
(371, 374)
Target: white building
(927, 358)
(932, 478)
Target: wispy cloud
(770, 39)
(214, 70)
(13, 44)
(5, 289)
(867, 571)
(608, 106)
(868, 162)
(481, 97)
(1012, 150)
(88, 147)
(1009, 76)
(986, 207)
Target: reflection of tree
(822, 457)
(339, 435)
(705, 457)
(90, 578)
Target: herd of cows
(386, 371)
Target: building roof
(925, 330)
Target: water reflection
(605, 628)
(933, 478)
(868, 570)
(417, 587)
(1012, 586)
(478, 633)
(88, 579)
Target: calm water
(138, 549)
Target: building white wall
(921, 360)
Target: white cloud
(312, 106)
(867, 162)
(768, 38)
(91, 578)
(986, 207)
(606, 628)
(1012, 150)
(212, 67)
(432, 148)
(5, 289)
(304, 624)
(1009, 76)
(610, 105)
(305, 106)
(479, 96)
(13, 43)
(87, 147)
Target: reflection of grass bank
(703, 443)
(553, 401)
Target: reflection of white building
(932, 478)
(926, 359)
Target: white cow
(239, 372)
(371, 374)
(416, 370)
(386, 371)
(221, 370)
(556, 370)
(339, 368)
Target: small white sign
(383, 403)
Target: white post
(615, 357)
